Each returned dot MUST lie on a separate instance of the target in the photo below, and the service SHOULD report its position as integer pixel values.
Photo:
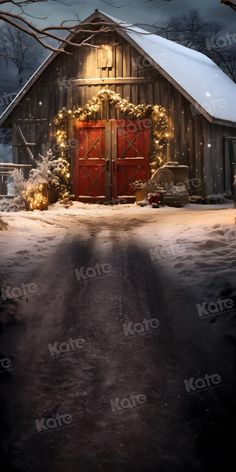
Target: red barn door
(89, 166)
(110, 155)
(132, 155)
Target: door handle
(107, 164)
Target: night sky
(143, 11)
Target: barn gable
(193, 74)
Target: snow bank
(196, 246)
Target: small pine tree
(55, 172)
(19, 181)
(19, 186)
(18, 202)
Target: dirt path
(104, 359)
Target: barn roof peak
(196, 76)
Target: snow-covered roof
(196, 76)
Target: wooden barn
(109, 148)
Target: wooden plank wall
(190, 133)
(214, 156)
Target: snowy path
(128, 341)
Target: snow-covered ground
(197, 243)
(162, 264)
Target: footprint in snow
(211, 244)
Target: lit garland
(156, 113)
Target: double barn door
(110, 155)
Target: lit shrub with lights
(51, 175)
(36, 195)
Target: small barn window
(105, 60)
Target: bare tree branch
(114, 5)
(40, 33)
(229, 3)
(57, 32)
(18, 48)
(36, 36)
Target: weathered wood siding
(190, 133)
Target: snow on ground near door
(196, 244)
